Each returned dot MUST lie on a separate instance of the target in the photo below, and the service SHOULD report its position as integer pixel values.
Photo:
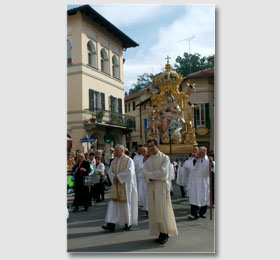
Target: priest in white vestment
(123, 203)
(157, 174)
(198, 185)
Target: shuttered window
(116, 105)
(113, 104)
(103, 101)
(120, 105)
(96, 100)
(91, 100)
(202, 115)
(207, 114)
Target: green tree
(190, 63)
(142, 82)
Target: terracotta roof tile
(134, 95)
(201, 74)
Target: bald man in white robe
(123, 202)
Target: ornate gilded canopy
(171, 115)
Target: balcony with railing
(101, 116)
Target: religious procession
(143, 180)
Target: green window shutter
(91, 100)
(112, 103)
(194, 116)
(120, 105)
(103, 101)
(207, 114)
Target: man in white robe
(123, 203)
(157, 174)
(141, 184)
(136, 159)
(181, 178)
(199, 184)
(188, 166)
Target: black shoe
(126, 227)
(110, 227)
(86, 208)
(98, 200)
(164, 240)
(75, 209)
(202, 216)
(160, 237)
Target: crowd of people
(141, 179)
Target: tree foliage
(142, 82)
(190, 63)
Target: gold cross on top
(168, 58)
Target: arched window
(92, 57)
(104, 61)
(115, 67)
(69, 51)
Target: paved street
(85, 233)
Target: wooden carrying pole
(211, 188)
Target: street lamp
(170, 132)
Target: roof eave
(96, 17)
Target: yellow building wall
(111, 41)
(204, 94)
(82, 77)
(98, 85)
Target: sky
(160, 30)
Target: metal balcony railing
(98, 115)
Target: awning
(108, 138)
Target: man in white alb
(187, 166)
(141, 184)
(138, 157)
(157, 174)
(198, 186)
(123, 203)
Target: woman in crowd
(70, 162)
(80, 170)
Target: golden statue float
(171, 116)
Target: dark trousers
(97, 191)
(82, 196)
(108, 180)
(182, 191)
(195, 210)
(101, 189)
